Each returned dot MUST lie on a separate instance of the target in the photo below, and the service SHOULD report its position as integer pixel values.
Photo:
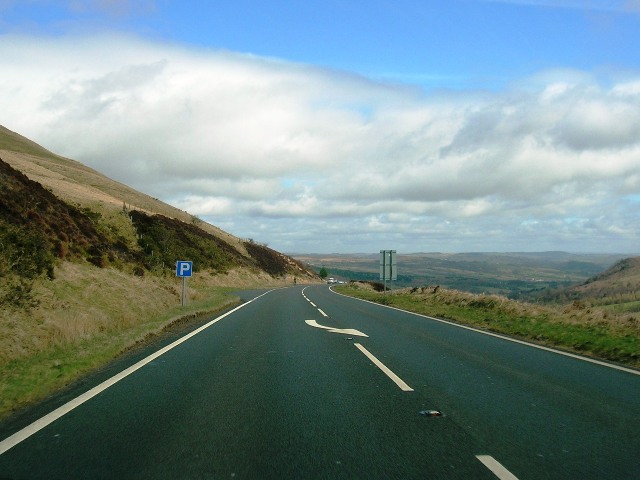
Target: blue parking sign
(184, 268)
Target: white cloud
(309, 159)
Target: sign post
(388, 267)
(184, 269)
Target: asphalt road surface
(304, 383)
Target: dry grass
(81, 302)
(88, 316)
(85, 301)
(571, 314)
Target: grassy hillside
(87, 269)
(82, 186)
(14, 142)
(119, 213)
(616, 289)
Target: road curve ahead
(304, 383)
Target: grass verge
(586, 331)
(87, 317)
(30, 379)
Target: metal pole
(385, 271)
(184, 291)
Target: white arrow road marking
(345, 331)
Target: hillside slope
(618, 287)
(100, 197)
(87, 269)
(78, 184)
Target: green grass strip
(606, 341)
(33, 378)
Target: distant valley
(518, 275)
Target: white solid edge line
(397, 380)
(51, 417)
(503, 337)
(497, 468)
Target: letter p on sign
(184, 268)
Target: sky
(347, 126)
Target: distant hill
(517, 275)
(618, 288)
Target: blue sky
(347, 126)
(447, 44)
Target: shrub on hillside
(67, 232)
(267, 259)
(165, 240)
(24, 255)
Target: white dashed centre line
(397, 380)
(487, 460)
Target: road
(304, 383)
